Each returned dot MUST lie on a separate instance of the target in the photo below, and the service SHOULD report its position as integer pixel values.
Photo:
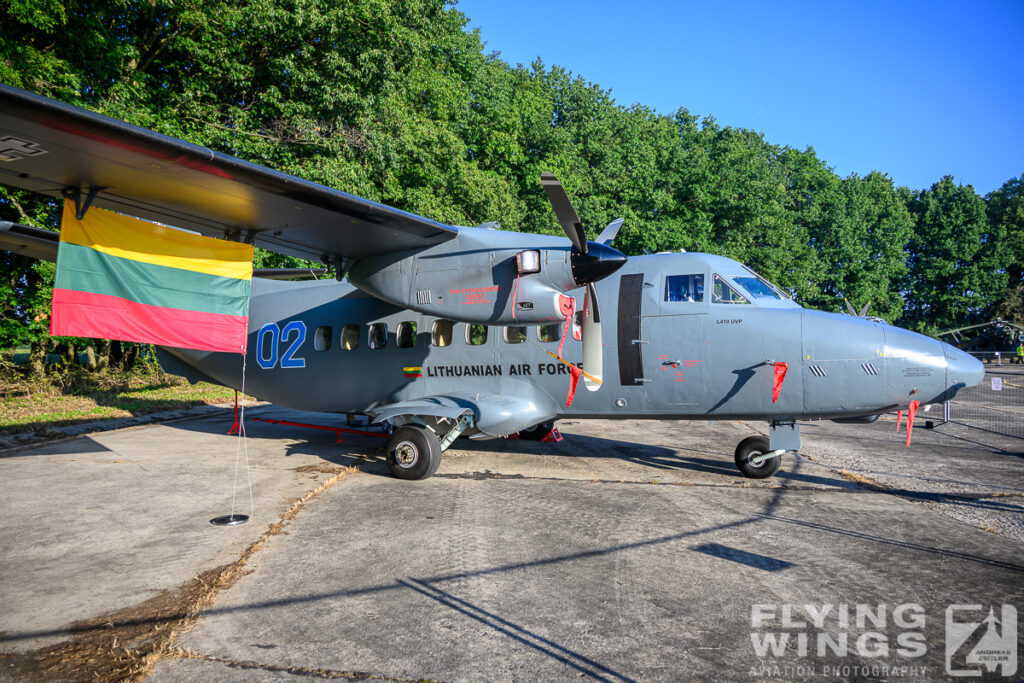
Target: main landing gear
(415, 447)
(413, 452)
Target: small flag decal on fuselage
(413, 372)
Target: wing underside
(51, 147)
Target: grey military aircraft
(439, 331)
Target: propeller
(853, 311)
(591, 261)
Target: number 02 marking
(267, 351)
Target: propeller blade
(611, 230)
(592, 347)
(593, 305)
(562, 207)
(850, 308)
(864, 311)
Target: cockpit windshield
(757, 286)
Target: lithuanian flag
(413, 372)
(123, 278)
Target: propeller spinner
(591, 261)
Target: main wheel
(748, 448)
(413, 452)
(537, 432)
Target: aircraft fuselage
(310, 348)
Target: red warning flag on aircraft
(778, 377)
(911, 412)
(127, 279)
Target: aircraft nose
(962, 370)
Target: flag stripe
(130, 238)
(87, 270)
(85, 314)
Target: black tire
(413, 453)
(537, 432)
(748, 448)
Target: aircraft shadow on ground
(365, 449)
(367, 452)
(77, 446)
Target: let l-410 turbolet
(690, 336)
(439, 331)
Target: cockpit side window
(684, 288)
(723, 293)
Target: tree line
(396, 101)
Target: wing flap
(48, 146)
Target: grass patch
(77, 396)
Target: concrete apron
(644, 557)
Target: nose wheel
(413, 452)
(755, 459)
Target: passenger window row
(441, 334)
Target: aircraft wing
(47, 146)
(513, 410)
(42, 245)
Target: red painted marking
(182, 160)
(338, 431)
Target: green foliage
(955, 275)
(397, 102)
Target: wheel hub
(406, 454)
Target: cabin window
(723, 293)
(476, 334)
(515, 334)
(441, 332)
(322, 338)
(549, 333)
(378, 335)
(406, 335)
(684, 288)
(350, 337)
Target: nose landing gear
(756, 460)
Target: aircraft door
(675, 358)
(630, 337)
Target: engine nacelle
(476, 278)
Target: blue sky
(917, 90)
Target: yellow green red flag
(124, 278)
